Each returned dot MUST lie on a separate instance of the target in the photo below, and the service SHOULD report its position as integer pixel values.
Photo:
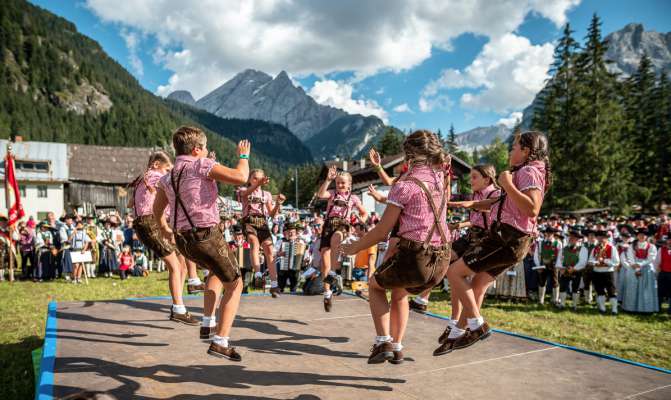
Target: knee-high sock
(588, 294)
(562, 298)
(555, 295)
(541, 294)
(613, 304)
(601, 303)
(576, 299)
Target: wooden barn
(99, 176)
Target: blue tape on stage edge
(45, 390)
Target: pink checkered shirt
(144, 198)
(475, 216)
(198, 192)
(254, 208)
(416, 216)
(531, 176)
(341, 212)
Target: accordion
(244, 257)
(292, 260)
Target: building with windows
(42, 172)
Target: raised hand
(333, 172)
(281, 198)
(265, 181)
(374, 157)
(375, 194)
(244, 148)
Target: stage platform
(292, 349)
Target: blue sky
(369, 59)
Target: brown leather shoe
(471, 337)
(206, 332)
(275, 292)
(398, 357)
(193, 289)
(228, 353)
(445, 335)
(380, 353)
(328, 303)
(446, 347)
(414, 306)
(185, 318)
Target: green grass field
(23, 308)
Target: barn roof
(106, 164)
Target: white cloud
(511, 120)
(441, 102)
(304, 37)
(132, 40)
(504, 77)
(401, 108)
(339, 94)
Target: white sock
(332, 273)
(382, 339)
(397, 346)
(328, 294)
(452, 323)
(179, 309)
(613, 304)
(601, 302)
(456, 332)
(475, 323)
(220, 340)
(209, 322)
(420, 300)
(258, 274)
(273, 284)
(194, 281)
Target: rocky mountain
(348, 137)
(256, 95)
(625, 48)
(183, 96)
(59, 85)
(482, 136)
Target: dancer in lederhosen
(418, 200)
(483, 183)
(149, 232)
(341, 202)
(257, 207)
(190, 190)
(506, 243)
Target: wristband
(379, 168)
(244, 156)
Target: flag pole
(8, 159)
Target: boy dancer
(191, 191)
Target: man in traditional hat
(604, 259)
(546, 258)
(572, 261)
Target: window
(42, 191)
(22, 190)
(32, 166)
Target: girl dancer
(257, 206)
(483, 183)
(149, 233)
(341, 201)
(418, 201)
(190, 190)
(508, 240)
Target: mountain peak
(182, 96)
(283, 76)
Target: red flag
(16, 210)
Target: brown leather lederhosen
(500, 248)
(204, 246)
(473, 236)
(257, 225)
(334, 224)
(149, 233)
(418, 266)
